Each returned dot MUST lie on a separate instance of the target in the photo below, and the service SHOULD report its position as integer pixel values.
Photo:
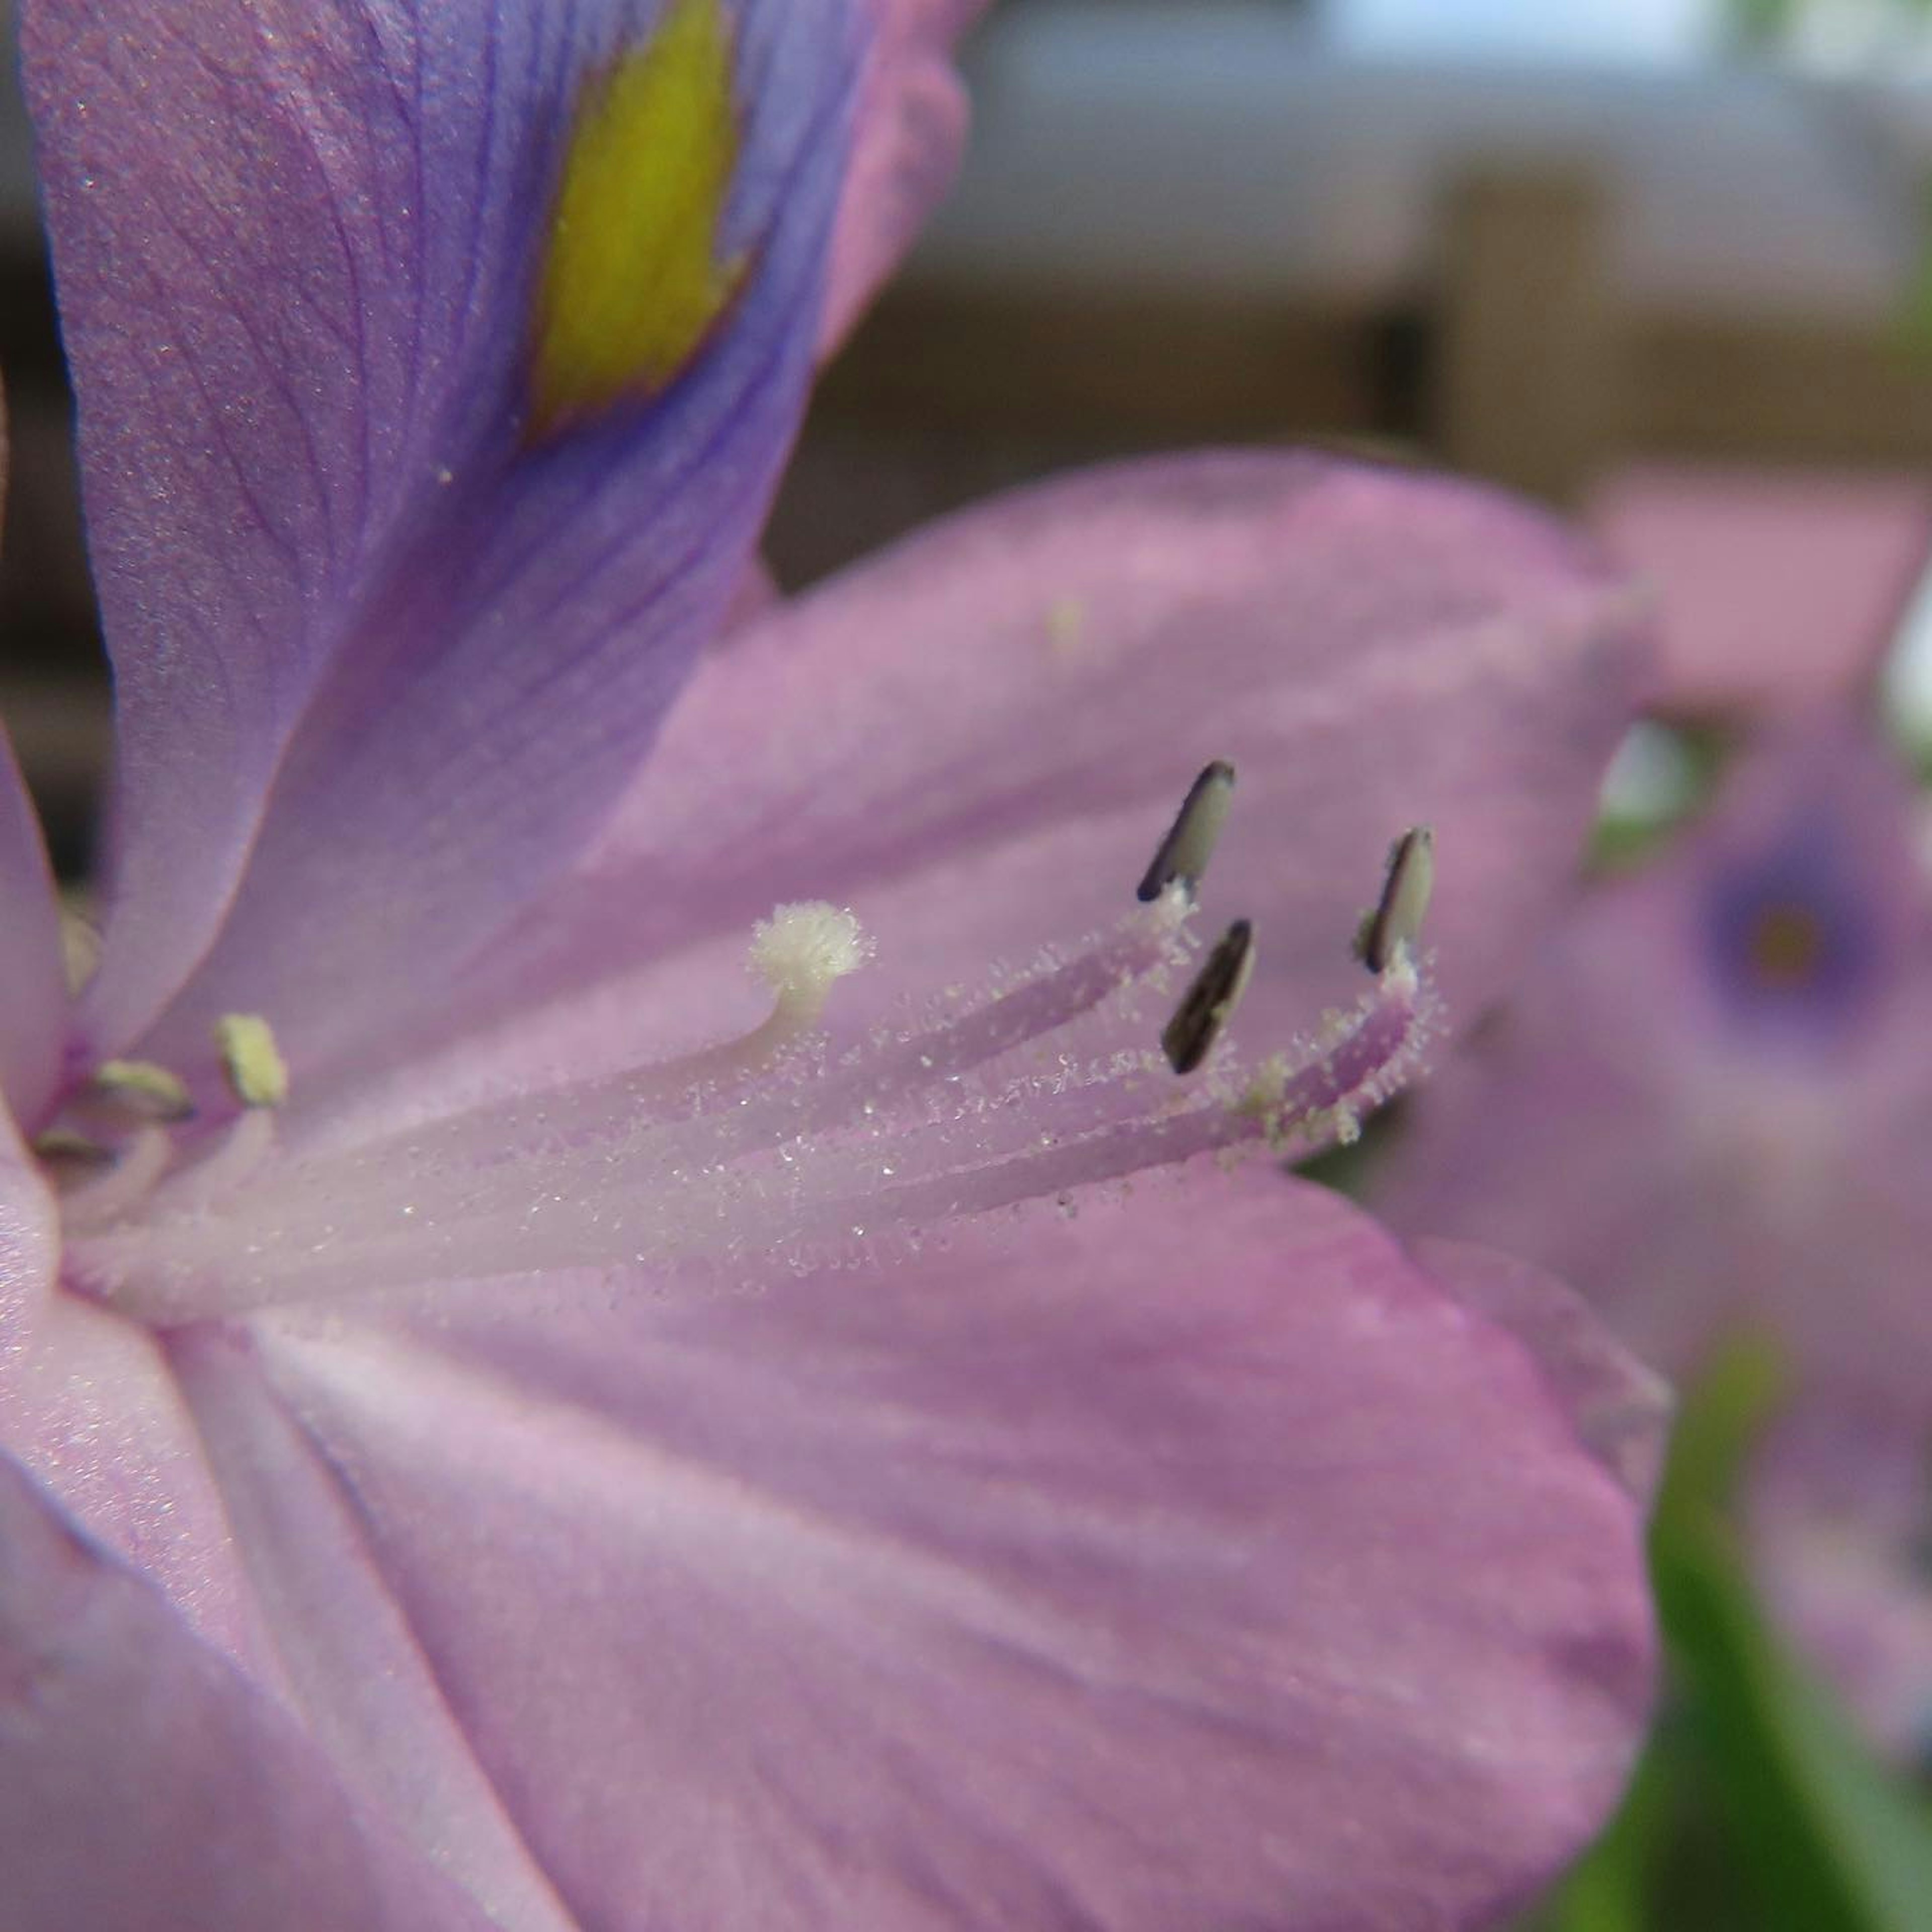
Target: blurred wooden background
(1197, 224)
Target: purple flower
(518, 1421)
(1711, 1106)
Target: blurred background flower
(1709, 1107)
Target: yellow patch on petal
(632, 280)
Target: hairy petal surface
(145, 1784)
(1156, 1569)
(363, 530)
(906, 150)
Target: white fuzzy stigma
(804, 949)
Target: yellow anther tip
(251, 1060)
(144, 1088)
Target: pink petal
(1194, 1561)
(976, 740)
(352, 1667)
(89, 1405)
(29, 1238)
(1621, 1410)
(144, 1786)
(906, 148)
(757, 592)
(1773, 589)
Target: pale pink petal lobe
(1168, 1568)
(1621, 1409)
(363, 1686)
(146, 1786)
(88, 1405)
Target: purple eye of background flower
(1789, 945)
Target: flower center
(1791, 945)
(775, 1153)
(1786, 946)
(113, 1145)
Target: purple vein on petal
(406, 549)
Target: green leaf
(1756, 23)
(1609, 1888)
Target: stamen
(251, 1060)
(232, 1162)
(142, 1162)
(1181, 858)
(769, 1153)
(1301, 1102)
(144, 1088)
(803, 950)
(705, 1094)
(1397, 921)
(1357, 1065)
(80, 942)
(644, 1166)
(67, 1154)
(1206, 1005)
